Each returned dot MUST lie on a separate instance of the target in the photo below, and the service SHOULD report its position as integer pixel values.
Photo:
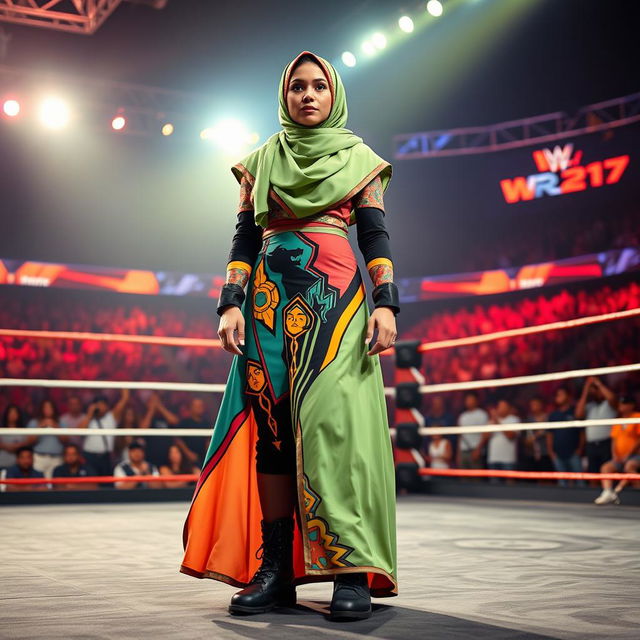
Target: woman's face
(129, 416)
(175, 455)
(308, 95)
(48, 410)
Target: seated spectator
(534, 453)
(438, 416)
(136, 466)
(625, 451)
(566, 444)
(502, 445)
(129, 420)
(47, 449)
(177, 464)
(23, 468)
(99, 449)
(74, 467)
(9, 444)
(72, 419)
(194, 448)
(440, 452)
(597, 402)
(471, 445)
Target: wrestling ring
(468, 567)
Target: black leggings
(275, 452)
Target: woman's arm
(245, 246)
(373, 241)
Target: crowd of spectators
(607, 344)
(611, 343)
(99, 453)
(606, 448)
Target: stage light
(379, 40)
(167, 129)
(11, 108)
(54, 113)
(434, 7)
(119, 123)
(368, 47)
(406, 24)
(349, 59)
(230, 135)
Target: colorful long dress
(306, 317)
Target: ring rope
(184, 477)
(509, 333)
(425, 471)
(518, 380)
(425, 346)
(167, 341)
(389, 391)
(525, 475)
(112, 384)
(426, 431)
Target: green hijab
(311, 168)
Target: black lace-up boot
(271, 585)
(351, 598)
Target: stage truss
(74, 16)
(518, 133)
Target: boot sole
(239, 609)
(350, 615)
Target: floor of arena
(468, 568)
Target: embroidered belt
(306, 226)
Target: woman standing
(47, 451)
(298, 484)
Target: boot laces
(267, 569)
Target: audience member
(625, 451)
(439, 416)
(136, 466)
(74, 467)
(534, 454)
(565, 445)
(158, 416)
(470, 445)
(48, 449)
(23, 468)
(177, 464)
(9, 444)
(194, 448)
(99, 448)
(72, 418)
(502, 445)
(440, 452)
(602, 405)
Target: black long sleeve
(247, 240)
(373, 237)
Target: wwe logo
(558, 159)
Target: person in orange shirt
(625, 450)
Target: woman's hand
(231, 320)
(383, 319)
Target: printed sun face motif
(265, 297)
(255, 377)
(296, 320)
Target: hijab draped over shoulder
(311, 168)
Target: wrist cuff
(230, 293)
(387, 295)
